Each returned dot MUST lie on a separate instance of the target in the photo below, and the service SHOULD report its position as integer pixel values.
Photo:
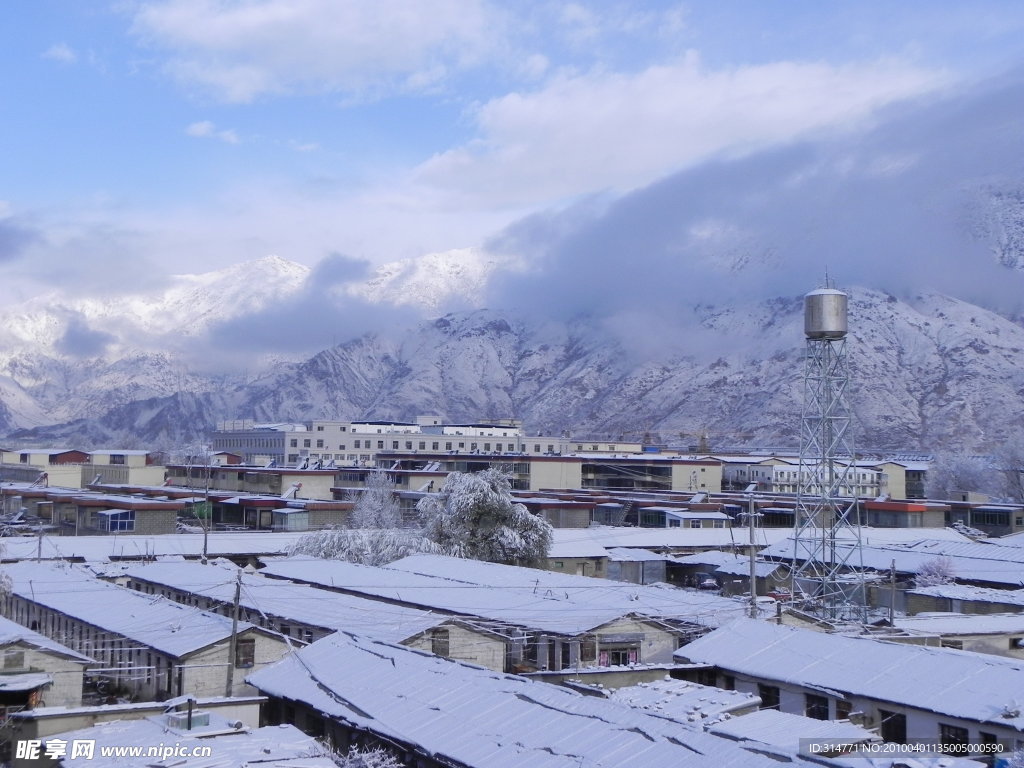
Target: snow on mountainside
(930, 371)
(433, 281)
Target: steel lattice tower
(827, 563)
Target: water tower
(827, 559)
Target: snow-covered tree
(938, 570)
(366, 547)
(474, 516)
(372, 758)
(952, 472)
(1009, 461)
(376, 506)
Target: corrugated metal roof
(480, 718)
(959, 684)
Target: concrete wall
(67, 675)
(465, 645)
(656, 646)
(705, 478)
(553, 473)
(580, 566)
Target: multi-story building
(71, 468)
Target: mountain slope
(928, 372)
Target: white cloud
(204, 129)
(61, 52)
(244, 50)
(582, 133)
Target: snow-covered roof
(174, 629)
(784, 730)
(969, 560)
(25, 681)
(628, 555)
(272, 746)
(11, 632)
(974, 594)
(121, 547)
(472, 716)
(963, 624)
(572, 542)
(287, 600)
(520, 597)
(974, 686)
(585, 592)
(683, 700)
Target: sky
(143, 138)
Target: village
(175, 606)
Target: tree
(938, 570)
(952, 472)
(366, 547)
(1009, 460)
(376, 506)
(474, 516)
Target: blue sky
(151, 136)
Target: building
(149, 649)
(37, 671)
(549, 621)
(306, 614)
(39, 724)
(439, 713)
(909, 693)
(71, 468)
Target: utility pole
(39, 542)
(207, 512)
(892, 592)
(233, 645)
(750, 549)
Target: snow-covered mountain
(672, 310)
(930, 371)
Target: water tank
(825, 314)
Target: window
(14, 660)
(707, 677)
(117, 458)
(359, 444)
(319, 443)
(729, 682)
(447, 446)
(695, 523)
(320, 429)
(769, 696)
(433, 446)
(245, 653)
(408, 445)
(294, 442)
(440, 642)
(423, 445)
(117, 521)
(843, 709)
(536, 448)
(952, 734)
(559, 564)
(380, 445)
(487, 446)
(816, 706)
(394, 444)
(305, 443)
